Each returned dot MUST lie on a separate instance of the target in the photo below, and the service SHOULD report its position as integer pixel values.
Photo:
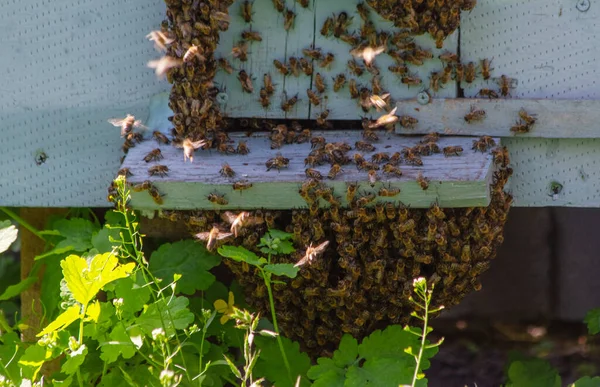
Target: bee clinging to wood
(225, 65)
(491, 94)
(245, 81)
(240, 51)
(127, 124)
(153, 155)
(520, 127)
(470, 72)
(505, 84)
(408, 122)
(226, 171)
(485, 68)
(241, 185)
(212, 237)
(251, 36)
(327, 60)
(422, 181)
(246, 11)
(282, 68)
(319, 83)
(217, 198)
(158, 170)
(454, 150)
(483, 143)
(338, 82)
(288, 104)
(313, 97)
(475, 115)
(312, 253)
(527, 118)
(160, 138)
(278, 162)
(289, 17)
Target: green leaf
(587, 381)
(120, 343)
(388, 343)
(32, 360)
(233, 368)
(8, 234)
(65, 319)
(133, 292)
(99, 329)
(188, 258)
(76, 236)
(51, 283)
(240, 254)
(381, 372)
(286, 269)
(532, 373)
(74, 360)
(327, 374)
(85, 280)
(173, 312)
(282, 235)
(592, 319)
(286, 247)
(101, 239)
(270, 364)
(11, 348)
(15, 290)
(347, 352)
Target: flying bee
(277, 162)
(306, 66)
(391, 169)
(237, 221)
(242, 148)
(226, 171)
(246, 11)
(475, 115)
(289, 17)
(245, 81)
(334, 171)
(319, 83)
(288, 104)
(240, 51)
(505, 85)
(338, 82)
(529, 119)
(153, 155)
(217, 199)
(388, 120)
(158, 170)
(212, 237)
(313, 98)
(162, 65)
(389, 192)
(485, 68)
(454, 150)
(422, 181)
(251, 36)
(470, 72)
(189, 147)
(491, 94)
(408, 122)
(327, 60)
(282, 68)
(241, 185)
(279, 5)
(194, 52)
(379, 101)
(355, 68)
(368, 53)
(520, 127)
(127, 124)
(313, 174)
(161, 40)
(225, 65)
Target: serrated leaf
(285, 248)
(120, 344)
(101, 240)
(390, 342)
(592, 320)
(133, 292)
(106, 319)
(347, 352)
(50, 292)
(15, 290)
(77, 234)
(282, 235)
(532, 373)
(32, 360)
(65, 319)
(286, 269)
(11, 348)
(587, 381)
(271, 366)
(174, 313)
(74, 360)
(240, 254)
(85, 280)
(8, 234)
(381, 372)
(187, 258)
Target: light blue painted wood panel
(67, 67)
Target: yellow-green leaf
(93, 311)
(65, 319)
(85, 280)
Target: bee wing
(302, 261)
(198, 144)
(138, 124)
(117, 121)
(320, 248)
(224, 235)
(228, 217)
(203, 236)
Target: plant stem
(22, 222)
(423, 336)
(267, 279)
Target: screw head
(222, 98)
(423, 98)
(583, 5)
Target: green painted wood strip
(455, 181)
(555, 118)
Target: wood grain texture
(555, 118)
(455, 181)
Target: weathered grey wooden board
(454, 181)
(561, 118)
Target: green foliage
(592, 319)
(587, 381)
(532, 372)
(270, 365)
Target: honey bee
(279, 5)
(317, 142)
(194, 52)
(408, 122)
(288, 104)
(246, 11)
(389, 192)
(475, 115)
(368, 54)
(340, 23)
(124, 172)
(355, 68)
(400, 70)
(459, 72)
(282, 68)
(156, 196)
(161, 40)
(388, 120)
(391, 169)
(127, 124)
(470, 72)
(289, 17)
(153, 155)
(334, 171)
(353, 88)
(422, 181)
(412, 158)
(454, 150)
(251, 36)
(313, 53)
(505, 85)
(380, 157)
(245, 81)
(241, 185)
(277, 162)
(162, 65)
(313, 174)
(240, 51)
(319, 83)
(225, 65)
(520, 127)
(242, 148)
(483, 143)
(160, 138)
(313, 98)
(411, 80)
(485, 68)
(158, 170)
(379, 101)
(217, 199)
(364, 146)
(529, 119)
(339, 82)
(491, 94)
(363, 201)
(303, 3)
(226, 171)
(212, 237)
(501, 156)
(362, 10)
(264, 98)
(327, 26)
(306, 66)
(351, 190)
(448, 57)
(395, 158)
(370, 135)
